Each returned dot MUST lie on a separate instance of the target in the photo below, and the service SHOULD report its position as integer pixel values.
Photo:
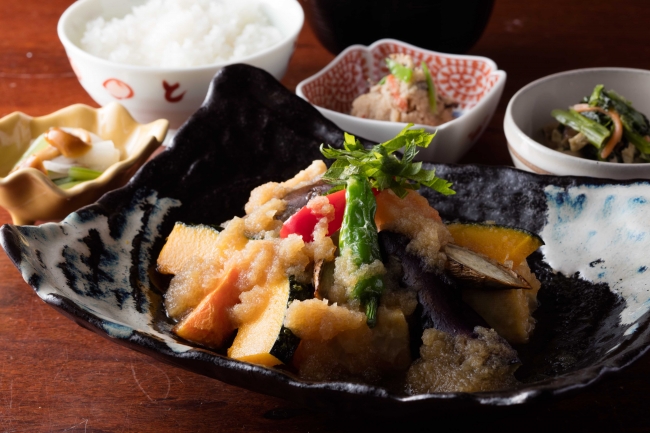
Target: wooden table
(56, 376)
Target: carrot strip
(394, 86)
(618, 127)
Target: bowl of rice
(157, 57)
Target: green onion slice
(431, 88)
(82, 173)
(37, 145)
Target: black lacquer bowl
(97, 266)
(439, 25)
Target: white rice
(182, 33)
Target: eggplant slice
(440, 301)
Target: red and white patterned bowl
(475, 82)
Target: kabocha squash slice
(509, 312)
(209, 324)
(265, 340)
(188, 254)
(183, 243)
(497, 242)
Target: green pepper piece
(595, 132)
(359, 236)
(431, 89)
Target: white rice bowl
(182, 33)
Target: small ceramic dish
(530, 108)
(474, 82)
(29, 195)
(151, 93)
(98, 265)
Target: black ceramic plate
(96, 266)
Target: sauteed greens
(603, 126)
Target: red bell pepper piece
(304, 221)
(301, 223)
(338, 201)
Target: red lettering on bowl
(169, 89)
(118, 89)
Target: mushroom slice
(481, 271)
(298, 198)
(68, 144)
(323, 278)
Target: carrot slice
(208, 323)
(390, 207)
(394, 86)
(618, 127)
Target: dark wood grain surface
(58, 377)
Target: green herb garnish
(76, 175)
(400, 71)
(67, 182)
(381, 167)
(359, 170)
(595, 96)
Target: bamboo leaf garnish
(381, 167)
